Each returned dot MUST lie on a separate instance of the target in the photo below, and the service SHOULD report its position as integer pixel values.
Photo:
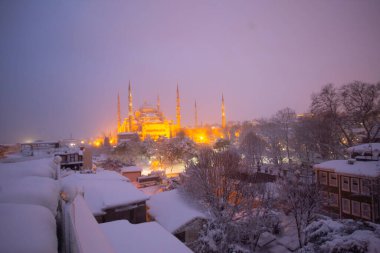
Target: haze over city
(63, 63)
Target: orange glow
(155, 164)
(98, 142)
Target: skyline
(63, 63)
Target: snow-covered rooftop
(27, 228)
(142, 238)
(30, 190)
(362, 168)
(39, 167)
(103, 190)
(131, 169)
(172, 211)
(373, 148)
(89, 236)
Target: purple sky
(63, 62)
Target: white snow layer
(363, 168)
(27, 228)
(142, 238)
(103, 190)
(131, 169)
(171, 211)
(41, 167)
(367, 147)
(31, 190)
(90, 237)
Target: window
(365, 186)
(323, 177)
(355, 185)
(325, 198)
(334, 199)
(346, 206)
(355, 207)
(345, 184)
(366, 211)
(376, 207)
(333, 180)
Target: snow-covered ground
(286, 241)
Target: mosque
(149, 121)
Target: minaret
(130, 109)
(158, 103)
(223, 114)
(178, 110)
(118, 113)
(196, 114)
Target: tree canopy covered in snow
(234, 225)
(329, 236)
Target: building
(85, 235)
(147, 121)
(131, 172)
(71, 159)
(109, 195)
(150, 121)
(188, 221)
(351, 188)
(39, 148)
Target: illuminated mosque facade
(150, 122)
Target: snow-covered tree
(361, 103)
(221, 144)
(253, 148)
(341, 236)
(355, 106)
(302, 200)
(128, 152)
(213, 180)
(285, 120)
(273, 136)
(314, 136)
(178, 149)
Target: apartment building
(351, 188)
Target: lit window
(345, 184)
(355, 185)
(334, 199)
(366, 211)
(333, 180)
(365, 186)
(346, 206)
(355, 207)
(323, 177)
